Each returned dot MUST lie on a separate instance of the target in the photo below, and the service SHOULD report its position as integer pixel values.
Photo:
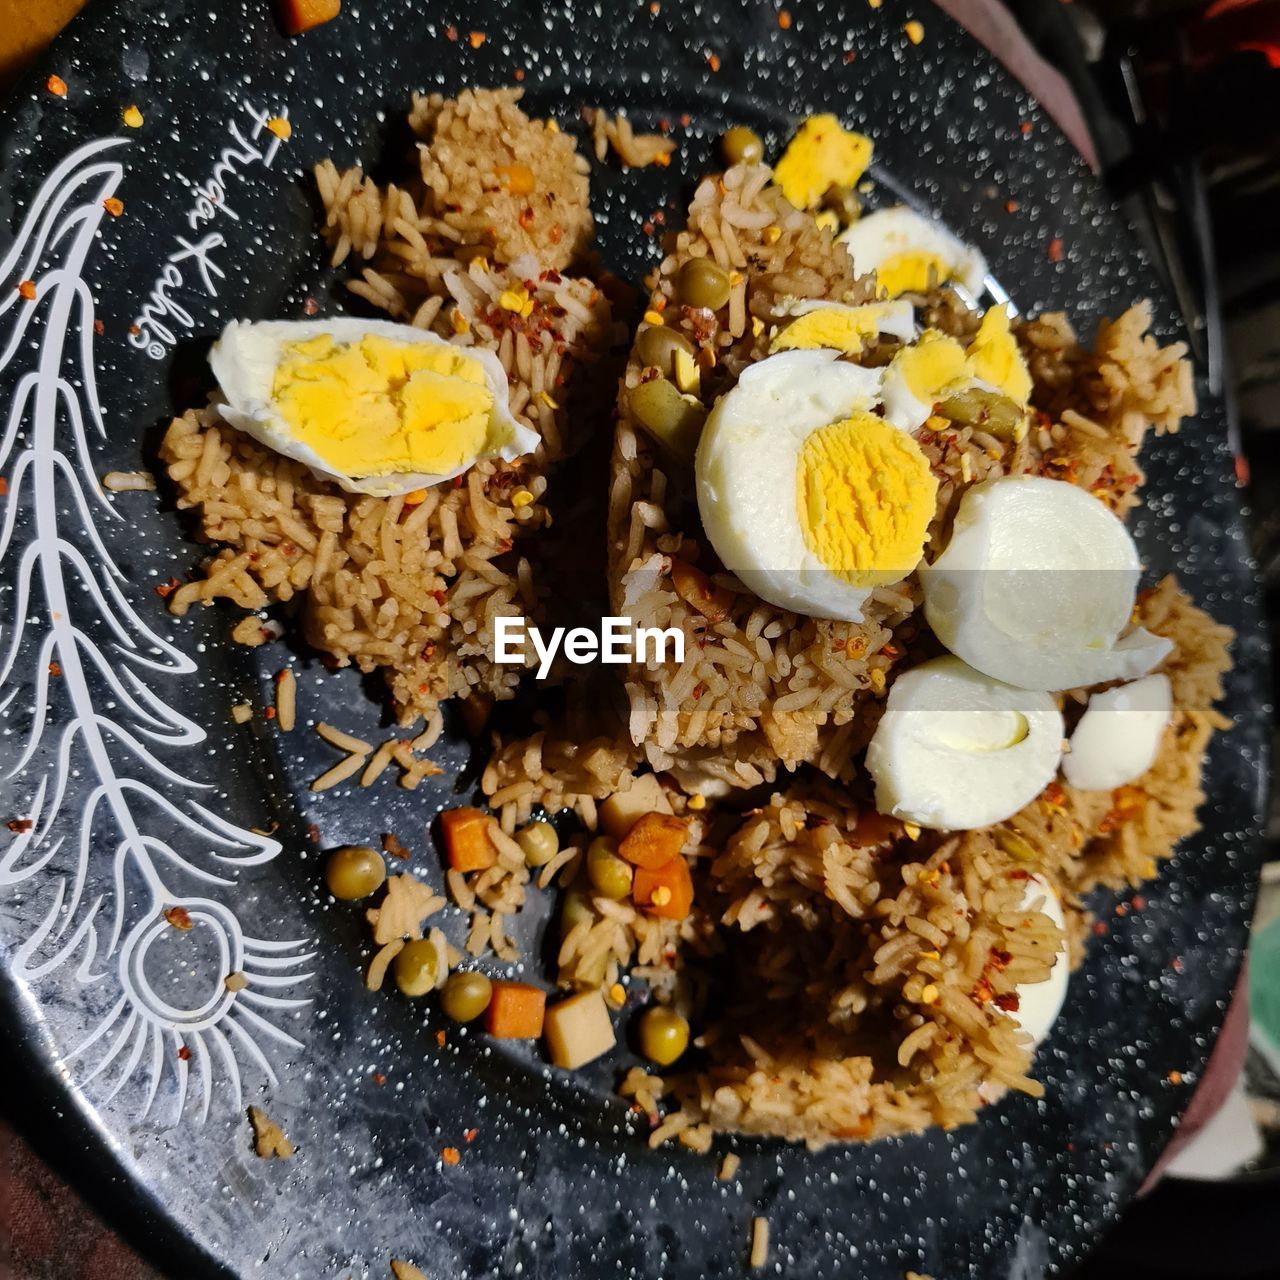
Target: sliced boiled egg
(956, 750)
(378, 407)
(923, 376)
(1036, 587)
(1119, 734)
(908, 252)
(1039, 1003)
(840, 327)
(807, 496)
(821, 155)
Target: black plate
(558, 1181)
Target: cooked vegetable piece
(703, 282)
(579, 1030)
(673, 420)
(663, 1035)
(622, 810)
(516, 1011)
(986, 410)
(654, 840)
(466, 839)
(574, 910)
(742, 145)
(696, 590)
(465, 996)
(297, 16)
(539, 842)
(665, 891)
(354, 872)
(657, 346)
(609, 875)
(416, 966)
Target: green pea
(609, 875)
(663, 1035)
(354, 871)
(539, 842)
(416, 967)
(466, 995)
(742, 145)
(674, 421)
(657, 346)
(703, 283)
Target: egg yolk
(935, 363)
(994, 357)
(835, 327)
(377, 407)
(866, 495)
(821, 155)
(913, 271)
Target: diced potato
(622, 810)
(579, 1030)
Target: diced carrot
(516, 178)
(466, 839)
(665, 891)
(695, 589)
(654, 840)
(297, 16)
(516, 1011)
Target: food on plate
(826, 867)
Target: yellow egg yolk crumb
(377, 407)
(932, 365)
(994, 357)
(836, 327)
(914, 271)
(866, 496)
(821, 155)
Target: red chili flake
(526, 218)
(849, 56)
(1011, 206)
(647, 227)
(179, 918)
(313, 833)
(114, 206)
(134, 330)
(1177, 965)
(310, 306)
(392, 846)
(476, 39)
(471, 1135)
(184, 1054)
(1242, 471)
(441, 1038)
(655, 8)
(1025, 127)
(1121, 910)
(379, 1078)
(27, 290)
(1100, 929)
(451, 1155)
(685, 120)
(1175, 1077)
(166, 589)
(55, 669)
(99, 328)
(19, 826)
(457, 482)
(784, 20)
(664, 125)
(713, 61)
(451, 33)
(518, 73)
(56, 86)
(1057, 250)
(1054, 793)
(269, 713)
(1007, 1001)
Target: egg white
(745, 471)
(244, 361)
(877, 236)
(1119, 734)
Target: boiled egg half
(378, 407)
(956, 750)
(1119, 734)
(907, 252)
(1037, 586)
(807, 496)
